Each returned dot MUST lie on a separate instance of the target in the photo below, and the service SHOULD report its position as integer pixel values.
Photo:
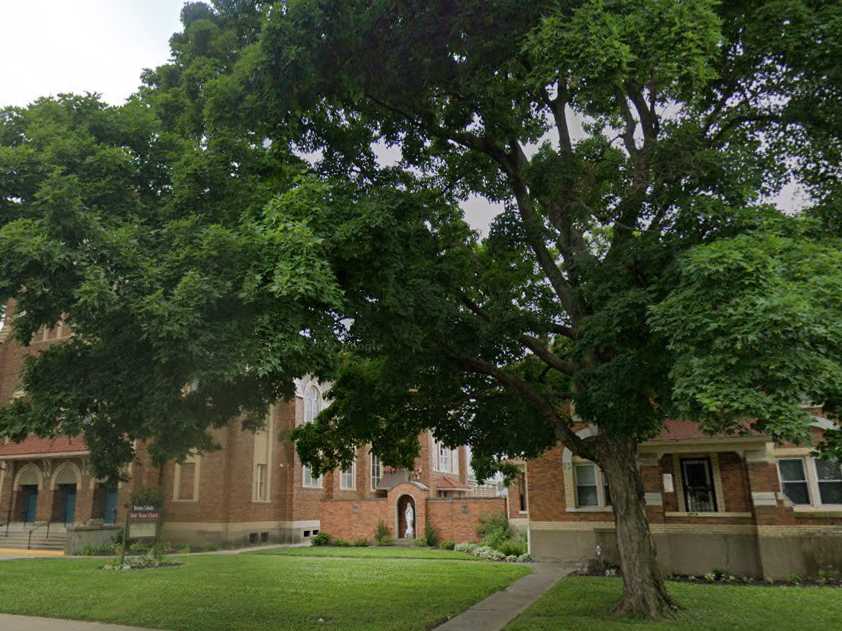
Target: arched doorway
(407, 516)
(27, 484)
(66, 482)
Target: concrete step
(22, 541)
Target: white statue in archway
(409, 514)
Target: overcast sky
(53, 46)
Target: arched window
(312, 407)
(312, 403)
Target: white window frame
(445, 459)
(349, 472)
(813, 489)
(376, 467)
(261, 482)
(599, 479)
(313, 406)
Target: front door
(68, 497)
(109, 510)
(699, 493)
(29, 502)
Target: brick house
(742, 504)
(254, 488)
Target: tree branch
(561, 424)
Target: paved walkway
(28, 623)
(499, 609)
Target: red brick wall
(457, 519)
(354, 519)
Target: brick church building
(253, 489)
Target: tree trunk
(644, 592)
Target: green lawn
(583, 604)
(375, 552)
(255, 592)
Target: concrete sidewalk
(499, 609)
(28, 623)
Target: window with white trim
(794, 481)
(829, 479)
(261, 461)
(376, 471)
(348, 478)
(591, 486)
(260, 487)
(811, 481)
(312, 408)
(445, 459)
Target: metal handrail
(33, 529)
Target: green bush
(341, 543)
(447, 545)
(138, 548)
(101, 550)
(431, 535)
(360, 542)
(493, 530)
(382, 534)
(321, 539)
(421, 543)
(515, 546)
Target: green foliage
(341, 543)
(360, 542)
(321, 539)
(447, 544)
(148, 496)
(431, 534)
(382, 534)
(494, 529)
(104, 549)
(514, 546)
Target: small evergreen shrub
(447, 545)
(321, 539)
(341, 543)
(361, 542)
(431, 535)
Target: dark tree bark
(644, 592)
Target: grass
(255, 592)
(373, 552)
(583, 604)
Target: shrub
(447, 545)
(104, 549)
(382, 534)
(431, 534)
(321, 539)
(361, 542)
(494, 529)
(341, 543)
(138, 548)
(421, 543)
(512, 547)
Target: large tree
(637, 269)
